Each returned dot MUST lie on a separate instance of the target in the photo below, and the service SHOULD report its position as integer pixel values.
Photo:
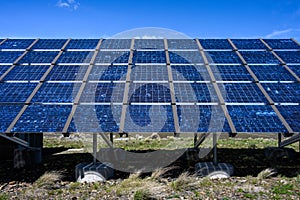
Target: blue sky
(105, 18)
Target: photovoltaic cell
(16, 44)
(23, 73)
(76, 57)
(149, 93)
(282, 44)
(112, 57)
(231, 73)
(103, 92)
(194, 92)
(82, 44)
(8, 114)
(257, 57)
(9, 56)
(185, 57)
(108, 73)
(149, 57)
(292, 115)
(182, 44)
(43, 118)
(116, 44)
(189, 73)
(215, 44)
(283, 92)
(272, 73)
(295, 69)
(202, 118)
(289, 56)
(242, 93)
(149, 73)
(39, 57)
(149, 118)
(3, 69)
(248, 44)
(56, 93)
(15, 92)
(252, 118)
(149, 44)
(66, 73)
(49, 44)
(96, 118)
(222, 57)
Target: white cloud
(70, 4)
(287, 33)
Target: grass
(4, 196)
(266, 174)
(168, 143)
(48, 180)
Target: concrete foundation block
(208, 169)
(93, 172)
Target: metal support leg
(111, 137)
(279, 140)
(215, 159)
(95, 148)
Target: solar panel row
(149, 103)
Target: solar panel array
(150, 85)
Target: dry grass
(267, 173)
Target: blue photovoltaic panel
(26, 73)
(282, 44)
(149, 93)
(289, 56)
(108, 73)
(242, 93)
(96, 118)
(16, 44)
(116, 44)
(295, 69)
(215, 44)
(103, 92)
(231, 73)
(49, 44)
(43, 118)
(283, 92)
(76, 57)
(67, 73)
(189, 73)
(8, 114)
(3, 69)
(149, 57)
(82, 44)
(56, 93)
(15, 92)
(185, 57)
(248, 44)
(112, 57)
(202, 118)
(194, 92)
(149, 73)
(255, 119)
(182, 44)
(39, 57)
(257, 57)
(220, 57)
(149, 118)
(272, 73)
(149, 44)
(292, 116)
(9, 56)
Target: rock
(12, 183)
(154, 136)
